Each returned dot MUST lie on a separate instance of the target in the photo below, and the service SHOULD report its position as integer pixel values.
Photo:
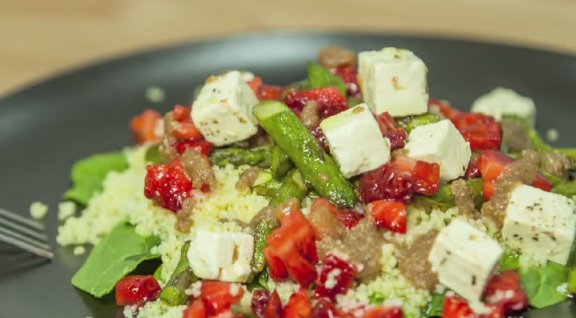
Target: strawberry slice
(473, 170)
(167, 185)
(456, 307)
(488, 189)
(348, 218)
(385, 312)
(202, 146)
(390, 215)
(426, 177)
(218, 297)
(390, 130)
(324, 308)
(145, 127)
(388, 182)
(505, 290)
(269, 92)
(181, 113)
(260, 301)
(319, 134)
(274, 309)
(298, 307)
(336, 278)
(330, 100)
(292, 249)
(196, 310)
(487, 136)
(255, 84)
(350, 77)
(444, 108)
(462, 120)
(137, 290)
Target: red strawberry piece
(319, 134)
(299, 306)
(337, 277)
(137, 290)
(348, 73)
(505, 290)
(144, 127)
(390, 215)
(218, 297)
(486, 136)
(202, 146)
(274, 309)
(384, 312)
(444, 108)
(330, 100)
(167, 185)
(260, 300)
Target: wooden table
(39, 38)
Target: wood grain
(40, 38)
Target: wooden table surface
(39, 38)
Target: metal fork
(23, 233)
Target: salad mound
(350, 193)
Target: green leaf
(263, 279)
(113, 258)
(435, 307)
(541, 284)
(321, 77)
(153, 154)
(89, 173)
(572, 282)
(510, 261)
(376, 299)
(158, 273)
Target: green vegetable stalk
(306, 152)
(260, 156)
(319, 77)
(572, 282)
(281, 164)
(268, 189)
(261, 233)
(444, 196)
(421, 120)
(293, 186)
(567, 189)
(181, 279)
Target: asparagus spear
(281, 164)
(567, 189)
(261, 233)
(269, 188)
(306, 152)
(321, 77)
(260, 156)
(182, 277)
(293, 186)
(444, 196)
(421, 120)
(153, 154)
(572, 282)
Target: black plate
(44, 129)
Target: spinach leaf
(158, 273)
(541, 284)
(321, 77)
(510, 261)
(89, 173)
(435, 308)
(153, 154)
(113, 258)
(263, 279)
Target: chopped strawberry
(462, 120)
(337, 277)
(330, 100)
(444, 108)
(390, 215)
(456, 307)
(181, 113)
(218, 297)
(292, 249)
(274, 309)
(202, 146)
(167, 185)
(255, 84)
(385, 312)
(350, 77)
(260, 300)
(319, 134)
(390, 130)
(145, 127)
(426, 177)
(488, 189)
(324, 308)
(196, 310)
(268, 92)
(348, 218)
(505, 290)
(473, 170)
(298, 307)
(187, 130)
(137, 290)
(486, 136)
(542, 183)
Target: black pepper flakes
(473, 280)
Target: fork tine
(20, 219)
(34, 233)
(25, 245)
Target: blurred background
(42, 37)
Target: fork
(23, 233)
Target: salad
(350, 193)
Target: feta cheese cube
(540, 223)
(356, 141)
(223, 109)
(443, 144)
(221, 256)
(501, 102)
(464, 259)
(393, 81)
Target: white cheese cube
(464, 259)
(443, 144)
(223, 109)
(221, 256)
(540, 223)
(356, 141)
(393, 81)
(501, 102)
